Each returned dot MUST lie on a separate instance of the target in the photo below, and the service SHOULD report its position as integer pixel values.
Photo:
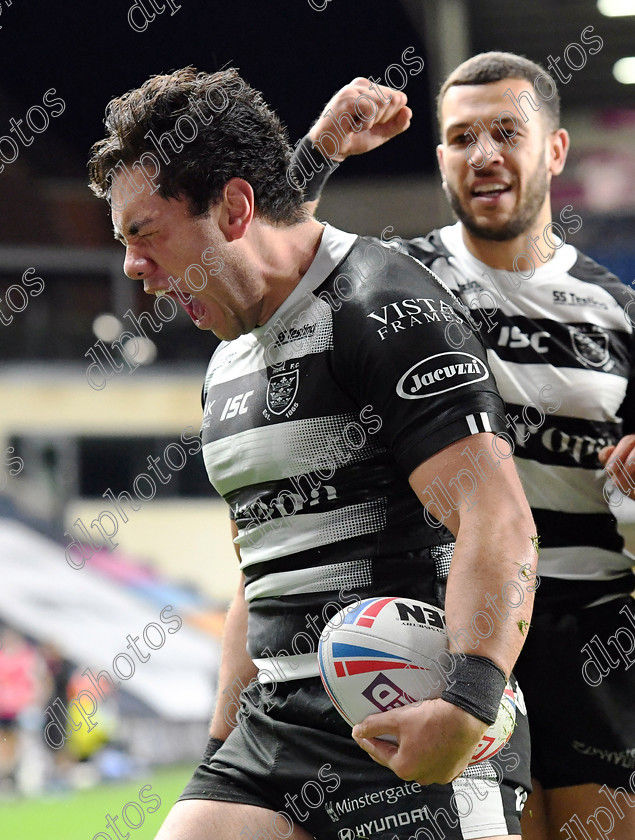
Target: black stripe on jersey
(415, 451)
(558, 529)
(544, 341)
(268, 635)
(563, 596)
(312, 492)
(349, 550)
(244, 403)
(557, 440)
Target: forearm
(491, 584)
(236, 668)
(490, 590)
(310, 169)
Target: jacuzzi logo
(440, 374)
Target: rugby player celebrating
(326, 440)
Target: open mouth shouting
(194, 308)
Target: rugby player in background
(560, 341)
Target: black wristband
(477, 685)
(309, 169)
(212, 746)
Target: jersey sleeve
(403, 345)
(625, 297)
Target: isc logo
(517, 339)
(235, 405)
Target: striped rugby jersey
(560, 345)
(313, 423)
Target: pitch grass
(80, 815)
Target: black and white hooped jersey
(313, 423)
(560, 344)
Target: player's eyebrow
(132, 229)
(506, 121)
(456, 126)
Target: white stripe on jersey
(478, 422)
(611, 318)
(591, 563)
(331, 578)
(259, 350)
(568, 489)
(303, 531)
(522, 383)
(271, 453)
(604, 311)
(299, 666)
(479, 804)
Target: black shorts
(582, 730)
(296, 757)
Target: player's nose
(485, 151)
(135, 265)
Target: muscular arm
(493, 544)
(236, 668)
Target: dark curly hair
(494, 67)
(202, 129)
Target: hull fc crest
(281, 391)
(590, 344)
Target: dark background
(296, 56)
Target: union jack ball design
(383, 653)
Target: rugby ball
(383, 653)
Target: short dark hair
(489, 67)
(231, 132)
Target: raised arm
(359, 117)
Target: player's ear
(558, 147)
(237, 208)
(440, 160)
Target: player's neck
(284, 255)
(518, 254)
